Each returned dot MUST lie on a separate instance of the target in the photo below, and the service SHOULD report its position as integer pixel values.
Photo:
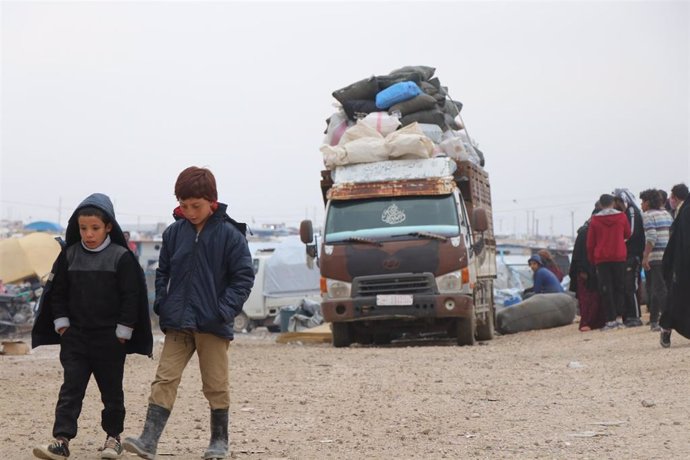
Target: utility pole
(572, 224)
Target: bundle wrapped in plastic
(363, 144)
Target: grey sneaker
(112, 448)
(611, 325)
(633, 322)
(665, 338)
(654, 326)
(57, 450)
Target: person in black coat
(95, 305)
(583, 282)
(625, 202)
(676, 269)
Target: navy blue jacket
(203, 279)
(546, 282)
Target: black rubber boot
(218, 447)
(145, 445)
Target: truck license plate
(394, 299)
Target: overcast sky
(567, 100)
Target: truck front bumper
(423, 306)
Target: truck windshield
(386, 217)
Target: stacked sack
(405, 114)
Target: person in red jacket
(608, 231)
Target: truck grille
(399, 283)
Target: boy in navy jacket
(204, 276)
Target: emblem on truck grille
(391, 263)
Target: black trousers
(657, 293)
(632, 283)
(83, 353)
(611, 277)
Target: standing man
(679, 193)
(608, 230)
(625, 202)
(657, 222)
(676, 269)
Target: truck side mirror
(306, 231)
(480, 220)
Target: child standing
(95, 305)
(204, 276)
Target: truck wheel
(485, 331)
(466, 328)
(341, 335)
(242, 323)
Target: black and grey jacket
(95, 290)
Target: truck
(407, 249)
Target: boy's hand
(62, 330)
(122, 341)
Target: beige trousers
(213, 363)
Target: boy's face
(196, 210)
(93, 231)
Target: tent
(28, 256)
(44, 226)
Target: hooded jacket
(608, 231)
(80, 309)
(203, 279)
(636, 241)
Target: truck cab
(407, 248)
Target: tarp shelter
(287, 273)
(44, 226)
(28, 256)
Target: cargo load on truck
(382, 117)
(407, 247)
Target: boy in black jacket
(95, 306)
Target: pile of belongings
(403, 115)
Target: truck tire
(242, 323)
(485, 331)
(342, 335)
(466, 328)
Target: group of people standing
(95, 305)
(620, 240)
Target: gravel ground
(555, 394)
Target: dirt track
(556, 393)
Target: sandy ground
(553, 394)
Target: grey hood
(102, 202)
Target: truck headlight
(338, 289)
(450, 282)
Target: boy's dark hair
(606, 200)
(90, 211)
(680, 191)
(653, 197)
(664, 195)
(196, 182)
